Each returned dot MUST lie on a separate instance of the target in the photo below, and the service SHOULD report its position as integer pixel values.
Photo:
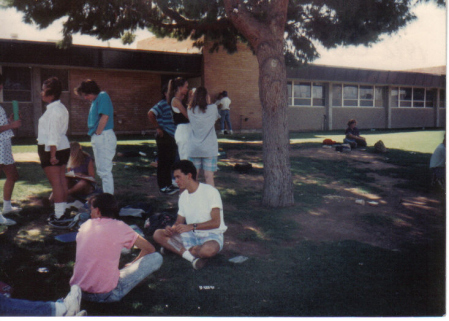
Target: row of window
(345, 95)
(17, 86)
(17, 82)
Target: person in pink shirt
(99, 243)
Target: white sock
(188, 256)
(60, 309)
(60, 209)
(6, 205)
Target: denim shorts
(191, 239)
(205, 163)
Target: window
(357, 96)
(430, 94)
(336, 95)
(350, 95)
(16, 83)
(442, 98)
(61, 74)
(305, 94)
(412, 97)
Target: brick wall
(132, 94)
(238, 74)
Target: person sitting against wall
(352, 135)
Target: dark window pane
(302, 90)
(405, 94)
(336, 95)
(302, 102)
(418, 94)
(379, 97)
(350, 92)
(318, 102)
(366, 92)
(418, 104)
(394, 97)
(17, 83)
(61, 74)
(366, 103)
(350, 102)
(406, 103)
(442, 98)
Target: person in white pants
(101, 124)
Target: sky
(421, 44)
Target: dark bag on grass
(380, 147)
(158, 221)
(243, 167)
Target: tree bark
(267, 39)
(278, 184)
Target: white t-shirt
(197, 207)
(53, 126)
(225, 102)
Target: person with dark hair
(54, 147)
(161, 117)
(197, 234)
(101, 124)
(7, 161)
(99, 243)
(177, 91)
(352, 135)
(225, 110)
(203, 144)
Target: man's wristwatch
(194, 227)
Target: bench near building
(320, 97)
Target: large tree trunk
(278, 186)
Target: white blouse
(7, 134)
(53, 126)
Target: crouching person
(198, 231)
(99, 243)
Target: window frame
(358, 102)
(312, 99)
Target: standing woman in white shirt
(177, 91)
(7, 161)
(203, 144)
(53, 145)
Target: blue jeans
(225, 116)
(130, 276)
(17, 307)
(104, 147)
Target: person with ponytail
(203, 144)
(177, 91)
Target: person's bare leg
(11, 177)
(209, 177)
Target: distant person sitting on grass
(69, 306)
(438, 166)
(99, 243)
(352, 135)
(198, 231)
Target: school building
(320, 97)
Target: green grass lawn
(294, 278)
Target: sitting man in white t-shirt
(198, 231)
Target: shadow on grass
(327, 279)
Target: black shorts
(62, 155)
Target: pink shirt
(98, 247)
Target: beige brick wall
(238, 74)
(132, 95)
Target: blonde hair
(77, 155)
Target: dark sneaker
(66, 217)
(199, 263)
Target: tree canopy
(330, 22)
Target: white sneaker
(231, 132)
(82, 313)
(73, 300)
(222, 132)
(13, 209)
(6, 221)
